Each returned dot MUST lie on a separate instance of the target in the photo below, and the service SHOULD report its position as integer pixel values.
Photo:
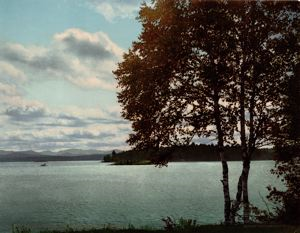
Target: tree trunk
(242, 194)
(245, 155)
(237, 202)
(246, 168)
(225, 178)
(225, 182)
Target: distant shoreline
(192, 153)
(42, 158)
(112, 163)
(182, 161)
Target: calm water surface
(90, 193)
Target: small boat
(43, 165)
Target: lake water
(90, 193)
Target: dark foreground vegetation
(200, 229)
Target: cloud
(40, 116)
(116, 9)
(36, 57)
(91, 45)
(83, 58)
(36, 127)
(57, 138)
(88, 135)
(8, 90)
(8, 71)
(16, 52)
(27, 113)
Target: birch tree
(264, 60)
(208, 69)
(174, 79)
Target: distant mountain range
(183, 153)
(63, 155)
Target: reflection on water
(90, 193)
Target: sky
(57, 90)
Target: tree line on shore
(227, 70)
(192, 152)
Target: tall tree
(207, 68)
(262, 29)
(146, 77)
(287, 135)
(175, 88)
(211, 74)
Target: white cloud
(8, 71)
(94, 45)
(8, 89)
(83, 112)
(26, 113)
(93, 135)
(82, 58)
(32, 125)
(93, 82)
(85, 59)
(116, 9)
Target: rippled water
(90, 193)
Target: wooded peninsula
(190, 153)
